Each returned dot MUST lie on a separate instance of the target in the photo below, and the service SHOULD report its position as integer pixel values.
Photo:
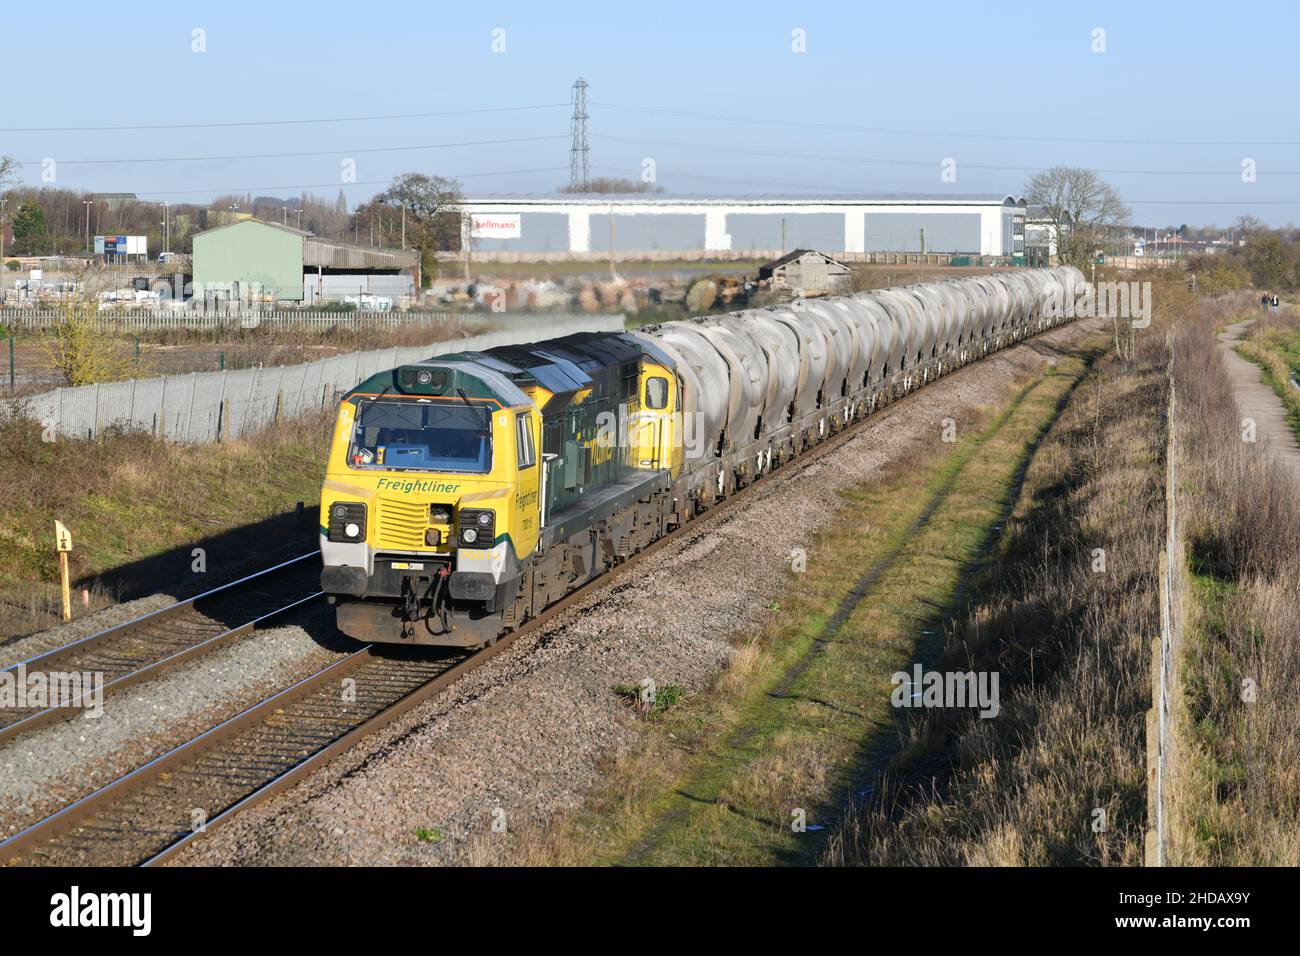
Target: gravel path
(527, 734)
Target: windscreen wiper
(483, 429)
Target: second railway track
(143, 647)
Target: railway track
(150, 814)
(141, 648)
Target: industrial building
(265, 261)
(763, 226)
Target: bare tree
(605, 184)
(432, 206)
(8, 174)
(1081, 207)
(1249, 226)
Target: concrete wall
(666, 231)
(944, 232)
(539, 232)
(823, 231)
(214, 406)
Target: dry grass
(128, 497)
(787, 723)
(1239, 785)
(1070, 646)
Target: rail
(143, 647)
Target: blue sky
(916, 83)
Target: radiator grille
(402, 524)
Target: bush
(1222, 274)
(81, 352)
(13, 265)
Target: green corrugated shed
(251, 253)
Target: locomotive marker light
(63, 545)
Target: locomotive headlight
(347, 522)
(477, 527)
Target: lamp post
(284, 215)
(3, 203)
(167, 231)
(88, 203)
(299, 212)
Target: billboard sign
(487, 226)
(121, 245)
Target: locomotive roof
(563, 366)
(475, 379)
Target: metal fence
(217, 406)
(1165, 652)
(110, 320)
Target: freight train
(465, 493)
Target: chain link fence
(217, 406)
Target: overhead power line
(336, 184)
(286, 122)
(924, 163)
(851, 190)
(946, 134)
(314, 152)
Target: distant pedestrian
(1263, 302)
(1276, 303)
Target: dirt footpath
(1257, 400)
(528, 734)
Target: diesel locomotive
(465, 493)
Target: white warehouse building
(764, 226)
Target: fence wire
(217, 406)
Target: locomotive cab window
(421, 436)
(524, 440)
(656, 392)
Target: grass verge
(129, 499)
(790, 728)
(1062, 613)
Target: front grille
(402, 524)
